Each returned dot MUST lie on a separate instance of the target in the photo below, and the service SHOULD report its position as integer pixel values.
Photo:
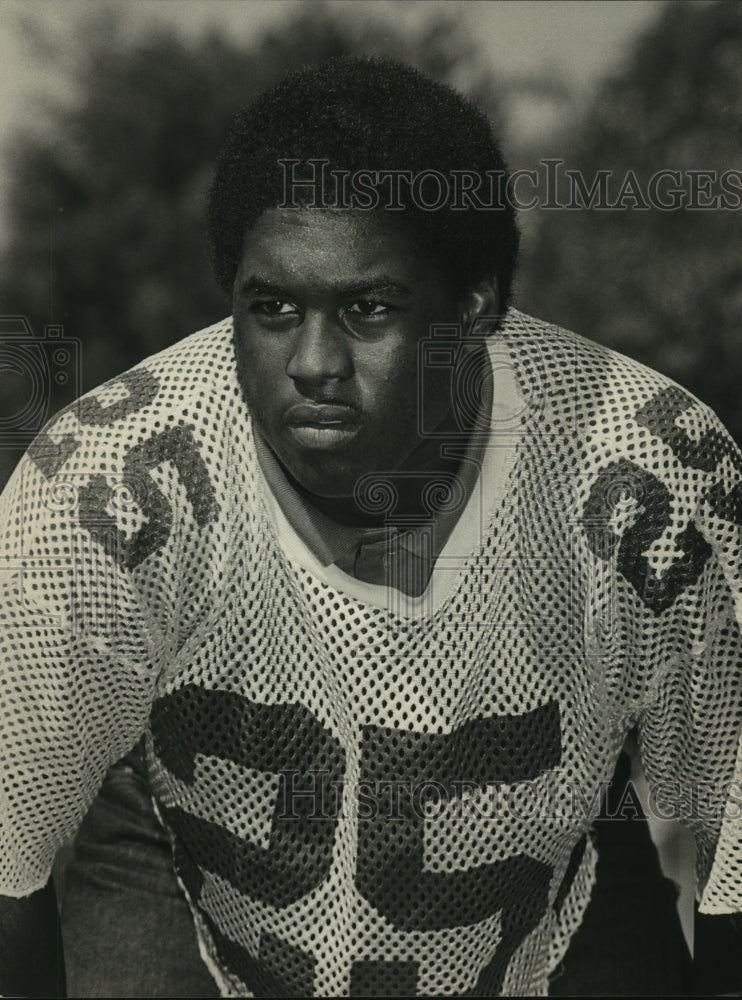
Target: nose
(320, 352)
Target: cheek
(260, 363)
(387, 381)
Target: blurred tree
(104, 232)
(105, 209)
(664, 286)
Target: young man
(381, 571)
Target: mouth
(323, 426)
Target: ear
(480, 308)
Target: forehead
(328, 245)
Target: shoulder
(187, 391)
(646, 468)
(599, 402)
(149, 449)
(590, 379)
(201, 362)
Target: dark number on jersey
(286, 740)
(174, 444)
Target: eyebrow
(380, 283)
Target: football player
(377, 574)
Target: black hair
(360, 115)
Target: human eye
(369, 309)
(273, 308)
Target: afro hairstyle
(366, 114)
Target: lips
(323, 426)
(321, 414)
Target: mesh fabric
(369, 797)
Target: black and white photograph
(370, 498)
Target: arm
(31, 960)
(75, 693)
(691, 732)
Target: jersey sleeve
(690, 731)
(77, 669)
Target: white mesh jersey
(370, 795)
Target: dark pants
(126, 926)
(128, 931)
(631, 941)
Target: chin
(329, 481)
